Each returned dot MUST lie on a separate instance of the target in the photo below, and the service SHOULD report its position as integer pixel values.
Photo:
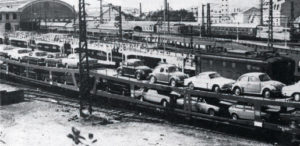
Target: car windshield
(214, 75)
(264, 77)
(23, 51)
(41, 54)
(173, 69)
(138, 63)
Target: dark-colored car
(293, 116)
(134, 68)
(114, 87)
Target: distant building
(34, 14)
(249, 16)
(281, 11)
(195, 11)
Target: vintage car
(199, 104)
(134, 68)
(292, 91)
(167, 73)
(54, 60)
(72, 61)
(154, 96)
(36, 57)
(114, 87)
(241, 111)
(209, 81)
(257, 83)
(18, 53)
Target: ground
(36, 123)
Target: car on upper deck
(72, 61)
(212, 81)
(134, 68)
(292, 91)
(244, 111)
(36, 58)
(257, 83)
(18, 53)
(168, 73)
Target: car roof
(207, 73)
(133, 60)
(166, 65)
(253, 74)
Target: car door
(240, 111)
(249, 112)
(254, 85)
(199, 81)
(243, 83)
(201, 105)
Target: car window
(253, 79)
(173, 69)
(243, 79)
(214, 75)
(249, 107)
(264, 77)
(239, 106)
(138, 63)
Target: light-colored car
(167, 73)
(18, 53)
(153, 96)
(200, 105)
(239, 111)
(209, 81)
(257, 83)
(73, 61)
(292, 91)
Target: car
(199, 104)
(209, 81)
(36, 58)
(257, 83)
(168, 73)
(292, 116)
(153, 96)
(73, 61)
(292, 91)
(243, 111)
(134, 68)
(18, 53)
(54, 60)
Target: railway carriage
(234, 63)
(247, 31)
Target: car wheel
(191, 86)
(173, 83)
(152, 80)
(164, 103)
(234, 117)
(211, 112)
(237, 91)
(297, 97)
(216, 89)
(138, 76)
(267, 93)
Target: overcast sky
(150, 5)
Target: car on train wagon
(244, 111)
(54, 60)
(209, 81)
(36, 58)
(18, 53)
(292, 91)
(199, 104)
(292, 116)
(257, 83)
(168, 73)
(72, 61)
(154, 96)
(134, 68)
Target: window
(14, 16)
(253, 79)
(7, 16)
(243, 79)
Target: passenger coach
(234, 63)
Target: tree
(177, 15)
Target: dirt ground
(35, 123)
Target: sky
(151, 5)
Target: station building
(34, 14)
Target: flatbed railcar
(67, 79)
(234, 63)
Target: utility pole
(270, 34)
(292, 19)
(101, 12)
(208, 23)
(168, 17)
(141, 12)
(120, 23)
(261, 12)
(203, 23)
(84, 71)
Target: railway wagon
(234, 63)
(246, 31)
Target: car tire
(164, 103)
(191, 86)
(173, 83)
(237, 91)
(266, 93)
(296, 97)
(138, 76)
(216, 89)
(211, 112)
(234, 117)
(152, 80)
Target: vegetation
(177, 15)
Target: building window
(7, 16)
(14, 16)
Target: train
(243, 31)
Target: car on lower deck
(244, 111)
(292, 117)
(258, 84)
(72, 61)
(18, 53)
(134, 68)
(169, 74)
(212, 81)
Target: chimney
(141, 12)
